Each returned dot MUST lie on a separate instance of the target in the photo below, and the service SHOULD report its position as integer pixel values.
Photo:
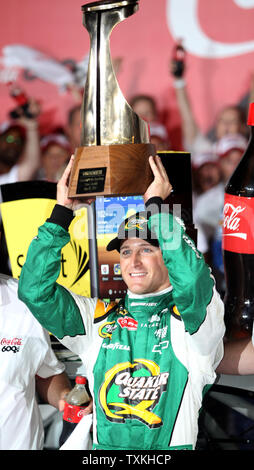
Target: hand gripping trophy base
(111, 170)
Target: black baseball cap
(135, 226)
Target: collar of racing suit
(152, 294)
(148, 304)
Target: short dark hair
(135, 226)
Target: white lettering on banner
(231, 221)
(183, 22)
(244, 3)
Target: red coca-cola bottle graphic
(238, 243)
(178, 60)
(75, 403)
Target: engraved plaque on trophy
(115, 144)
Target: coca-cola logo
(231, 221)
(204, 23)
(128, 322)
(11, 342)
(81, 413)
(238, 224)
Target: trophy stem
(98, 84)
(107, 118)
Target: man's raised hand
(160, 186)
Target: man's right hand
(63, 189)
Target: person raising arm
(150, 357)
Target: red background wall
(215, 75)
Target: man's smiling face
(142, 266)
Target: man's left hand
(160, 186)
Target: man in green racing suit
(151, 357)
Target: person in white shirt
(28, 364)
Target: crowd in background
(27, 154)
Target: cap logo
(138, 223)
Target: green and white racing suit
(150, 358)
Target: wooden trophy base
(111, 170)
